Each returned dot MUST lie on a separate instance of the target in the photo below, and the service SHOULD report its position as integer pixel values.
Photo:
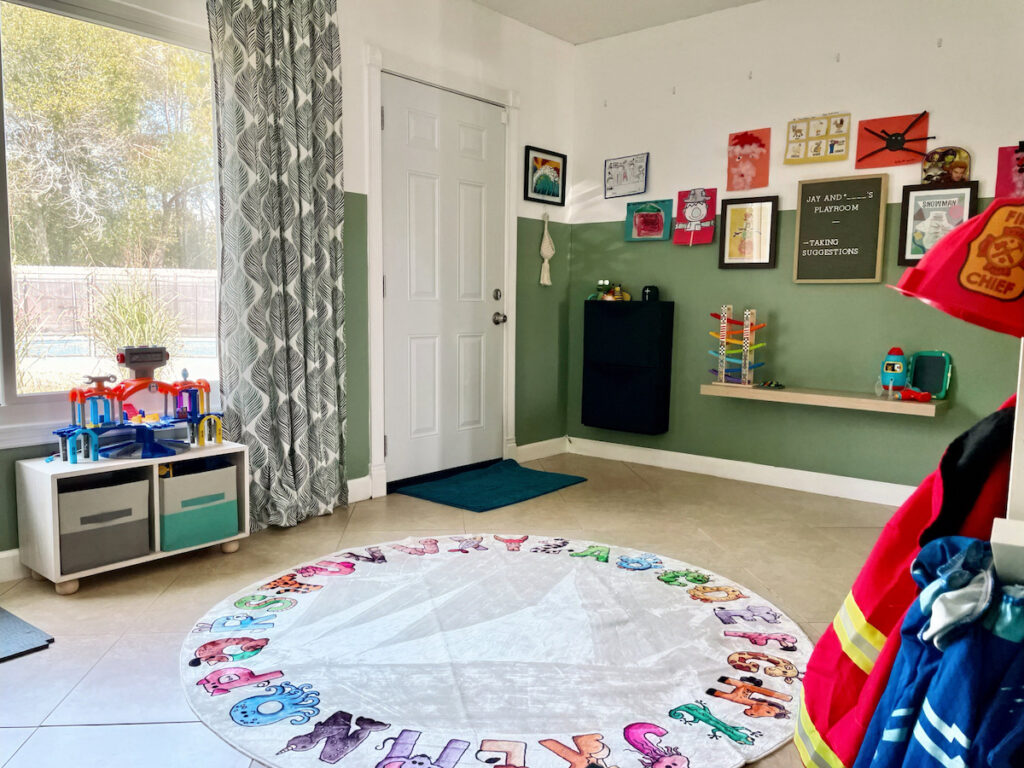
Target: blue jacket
(959, 707)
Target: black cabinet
(627, 365)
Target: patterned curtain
(277, 80)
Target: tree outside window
(111, 198)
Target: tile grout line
(119, 725)
(79, 681)
(640, 477)
(20, 746)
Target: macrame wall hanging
(547, 250)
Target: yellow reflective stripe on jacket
(859, 640)
(812, 748)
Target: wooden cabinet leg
(66, 587)
(229, 546)
(36, 576)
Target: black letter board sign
(840, 228)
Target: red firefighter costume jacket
(850, 665)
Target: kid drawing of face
(744, 149)
(695, 211)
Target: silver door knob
(498, 318)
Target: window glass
(111, 199)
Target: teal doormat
(498, 485)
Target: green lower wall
(8, 505)
(820, 336)
(831, 337)
(542, 335)
(357, 339)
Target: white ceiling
(581, 21)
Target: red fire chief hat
(976, 272)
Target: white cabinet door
(444, 219)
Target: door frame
(380, 61)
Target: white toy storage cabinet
(76, 520)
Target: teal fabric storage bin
(198, 508)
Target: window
(111, 202)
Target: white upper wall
(458, 44)
(764, 64)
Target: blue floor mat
(498, 485)
(18, 637)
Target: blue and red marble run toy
(98, 411)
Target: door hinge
(384, 286)
(385, 446)
(382, 118)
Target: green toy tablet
(930, 372)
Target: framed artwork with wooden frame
(544, 176)
(930, 211)
(749, 227)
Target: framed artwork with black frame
(544, 176)
(749, 227)
(930, 211)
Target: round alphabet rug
(497, 651)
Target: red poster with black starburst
(888, 141)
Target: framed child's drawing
(749, 225)
(626, 175)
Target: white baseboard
(378, 480)
(359, 489)
(11, 567)
(855, 488)
(543, 449)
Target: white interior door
(443, 159)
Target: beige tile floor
(107, 693)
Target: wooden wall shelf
(825, 398)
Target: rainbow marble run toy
(732, 341)
(99, 410)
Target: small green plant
(133, 314)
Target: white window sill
(24, 435)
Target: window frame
(28, 419)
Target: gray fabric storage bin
(104, 525)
